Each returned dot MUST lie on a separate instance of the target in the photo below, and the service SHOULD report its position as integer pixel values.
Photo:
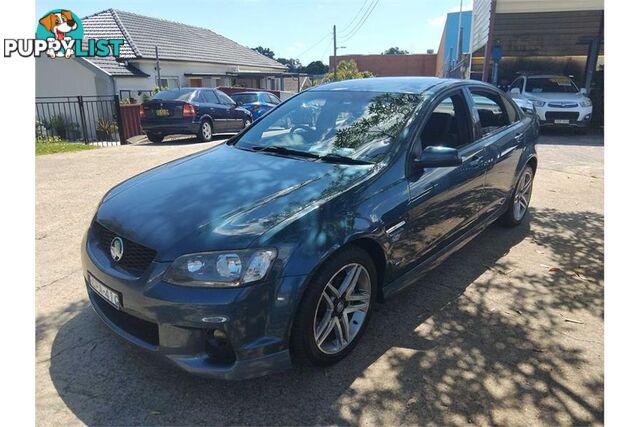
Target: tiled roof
(116, 68)
(175, 41)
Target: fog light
(218, 347)
(219, 334)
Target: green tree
(316, 67)
(264, 51)
(395, 51)
(293, 65)
(347, 70)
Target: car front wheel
(335, 308)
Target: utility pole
(157, 68)
(335, 55)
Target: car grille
(558, 105)
(561, 115)
(135, 258)
(139, 328)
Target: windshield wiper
(284, 150)
(330, 158)
(337, 158)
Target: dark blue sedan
(193, 111)
(257, 103)
(275, 246)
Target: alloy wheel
(342, 308)
(523, 195)
(206, 130)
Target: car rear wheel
(519, 202)
(335, 308)
(206, 131)
(155, 137)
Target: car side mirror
(438, 157)
(514, 91)
(583, 91)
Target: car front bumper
(179, 323)
(564, 117)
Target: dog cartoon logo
(64, 26)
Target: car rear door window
(491, 111)
(273, 99)
(210, 97)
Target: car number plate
(162, 112)
(562, 122)
(111, 296)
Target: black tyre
(519, 201)
(335, 308)
(205, 133)
(155, 137)
(246, 122)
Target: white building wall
(522, 6)
(70, 77)
(480, 23)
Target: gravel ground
(508, 331)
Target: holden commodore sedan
(274, 246)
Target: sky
(296, 28)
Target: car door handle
(519, 136)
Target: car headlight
(585, 103)
(225, 269)
(537, 103)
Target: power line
(362, 22)
(346, 28)
(312, 46)
(350, 32)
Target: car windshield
(357, 125)
(550, 85)
(245, 98)
(175, 94)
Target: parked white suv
(557, 99)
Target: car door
(444, 202)
(234, 115)
(206, 102)
(215, 110)
(498, 126)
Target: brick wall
(393, 65)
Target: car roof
(546, 76)
(250, 92)
(384, 84)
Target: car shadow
(447, 355)
(183, 140)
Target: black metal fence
(136, 95)
(88, 119)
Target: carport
(546, 36)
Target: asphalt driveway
(508, 331)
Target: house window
(170, 82)
(195, 82)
